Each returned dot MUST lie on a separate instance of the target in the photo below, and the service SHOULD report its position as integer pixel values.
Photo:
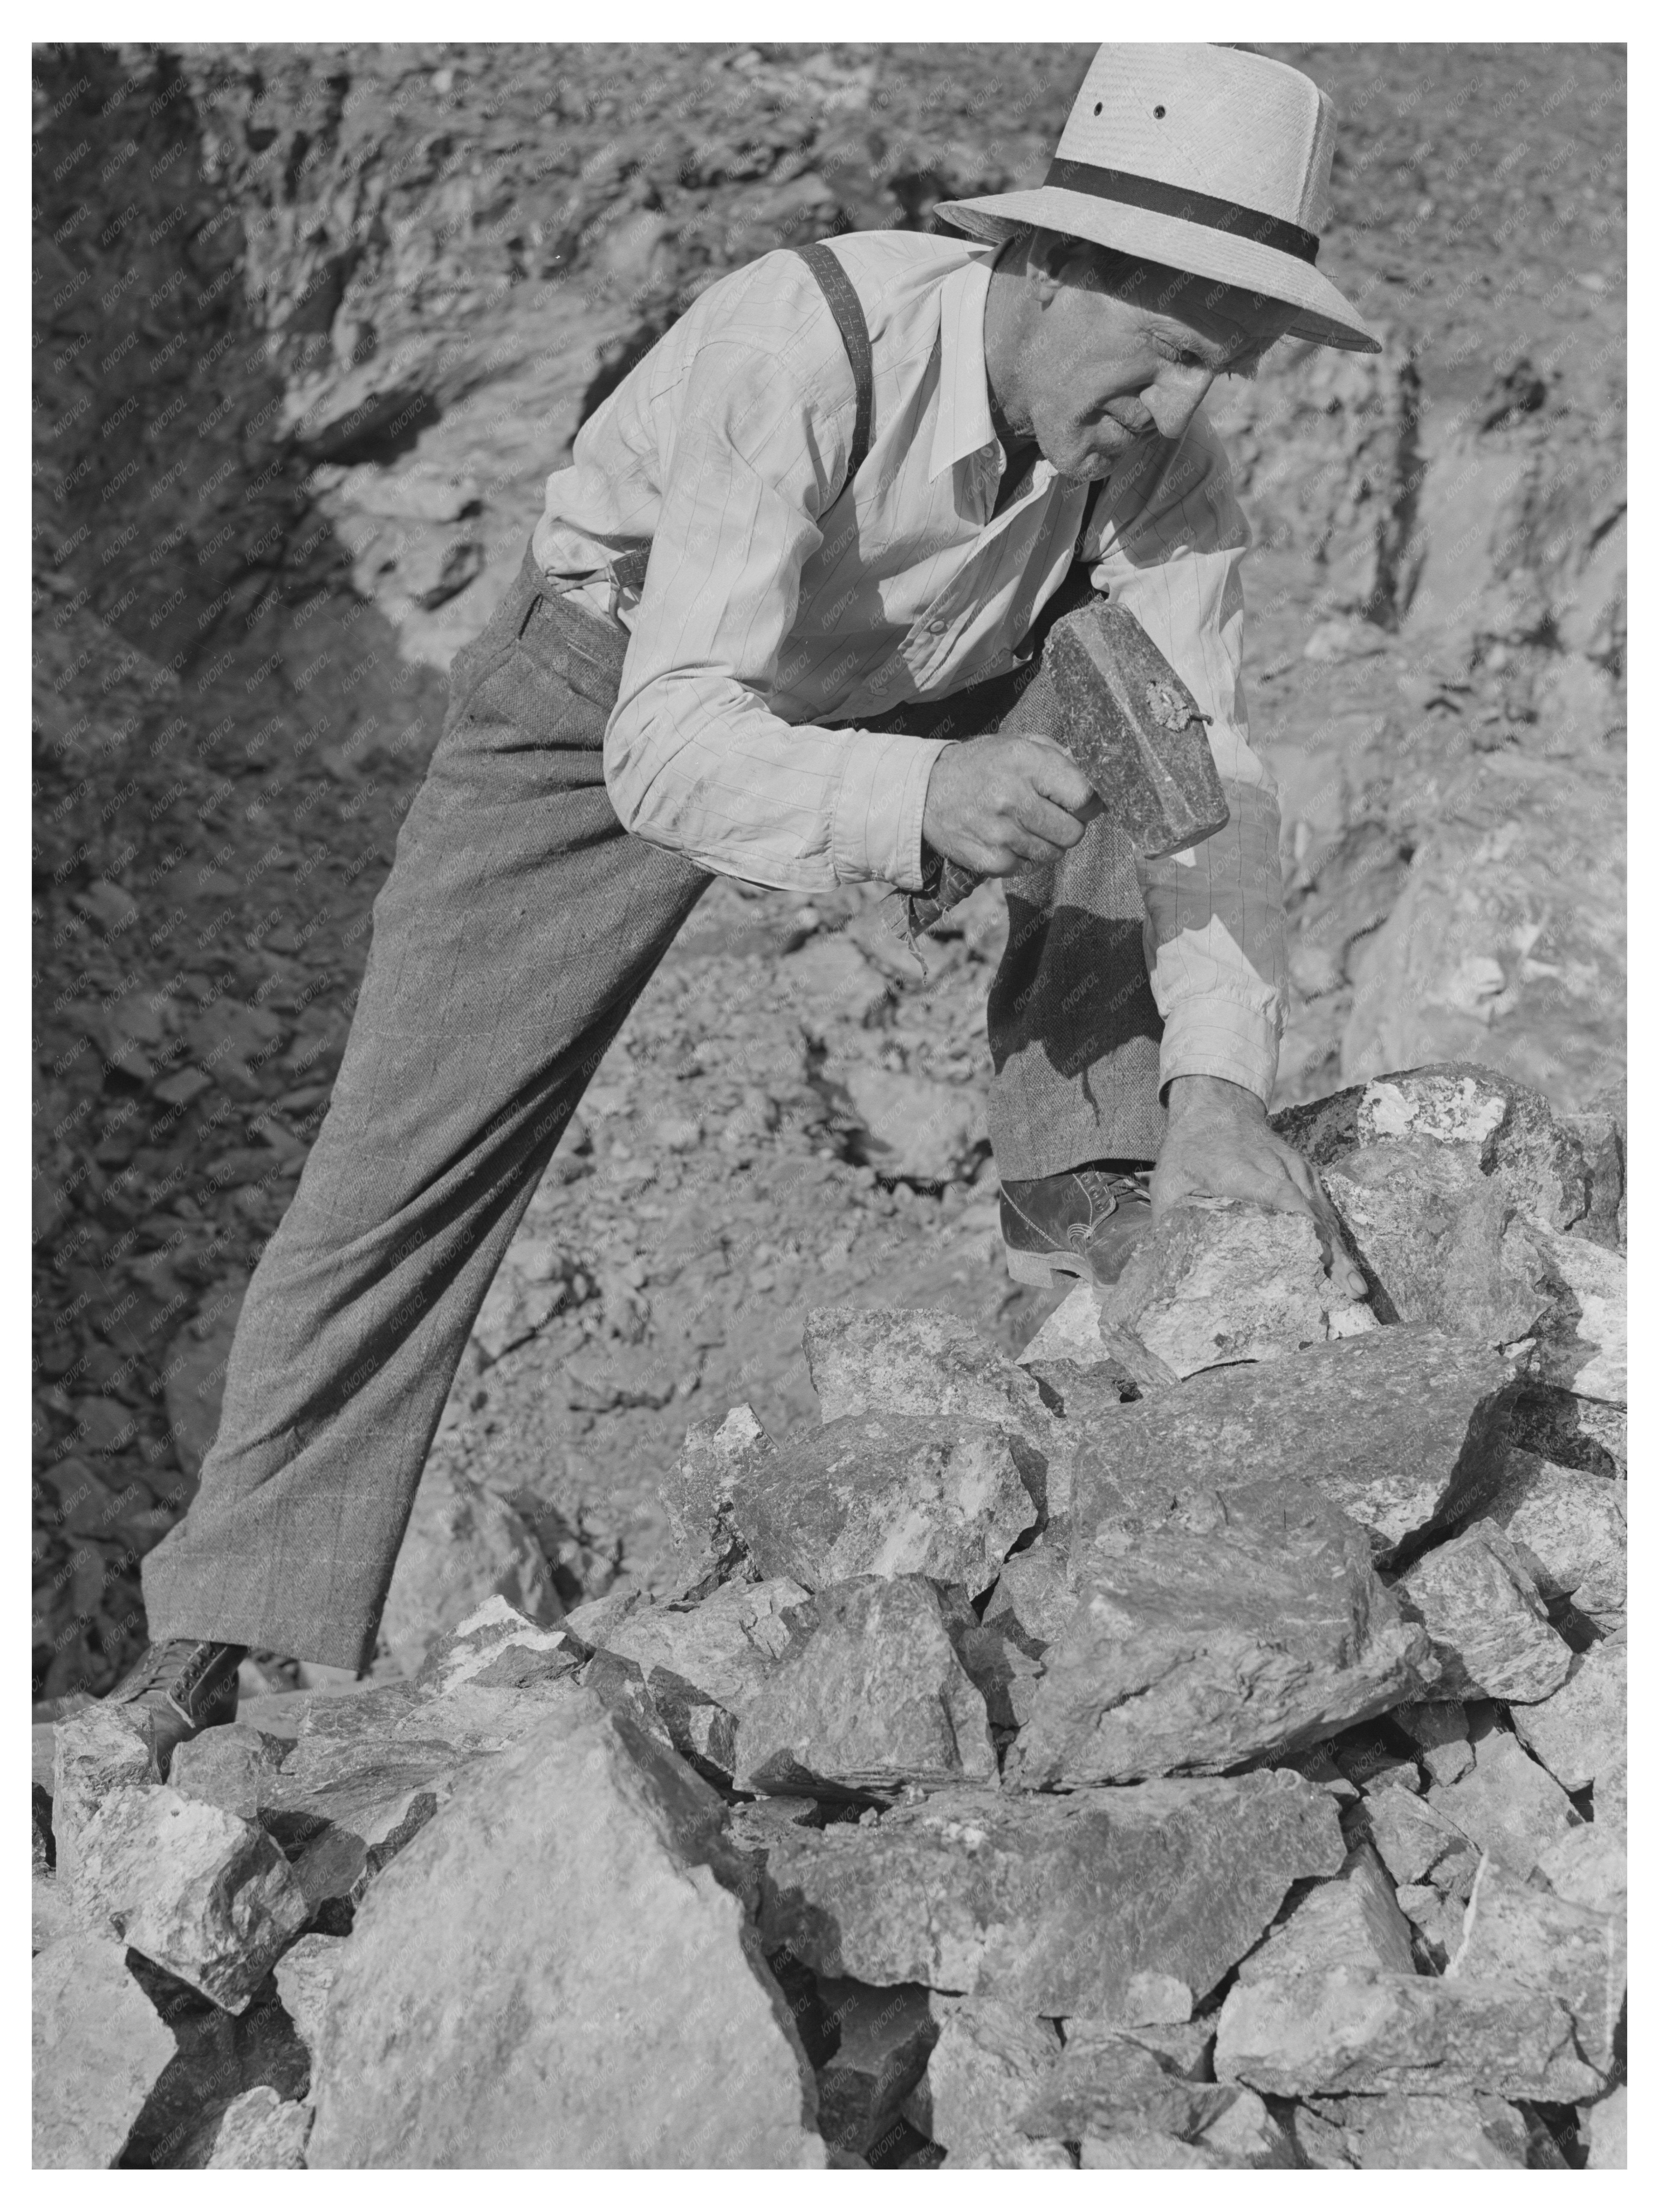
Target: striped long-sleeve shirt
(773, 617)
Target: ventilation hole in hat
(1099, 104)
(1159, 113)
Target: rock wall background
(311, 326)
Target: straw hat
(1200, 158)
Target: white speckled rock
(1359, 2030)
(206, 1895)
(1241, 1623)
(1579, 1732)
(885, 1494)
(873, 1696)
(1491, 1633)
(1215, 1283)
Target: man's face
(1099, 371)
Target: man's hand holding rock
(1218, 1145)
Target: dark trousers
(516, 929)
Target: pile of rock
(1200, 1743)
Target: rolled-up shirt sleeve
(1170, 551)
(695, 759)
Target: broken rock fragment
(1579, 1731)
(873, 1697)
(990, 2058)
(305, 1976)
(1418, 1844)
(1118, 1905)
(1569, 1526)
(258, 2130)
(99, 1749)
(554, 1975)
(1491, 1633)
(696, 1496)
(1217, 1283)
(1111, 2086)
(1352, 1919)
(206, 1895)
(1440, 1729)
(98, 2051)
(1359, 2030)
(1245, 1622)
(1508, 1805)
(1401, 1429)
(1473, 2131)
(1521, 1931)
(885, 1494)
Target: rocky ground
(311, 327)
(1199, 1743)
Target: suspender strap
(845, 305)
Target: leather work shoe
(1083, 1224)
(182, 1687)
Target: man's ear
(1048, 254)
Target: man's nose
(1174, 396)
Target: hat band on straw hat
(1160, 199)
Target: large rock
(462, 1546)
(1476, 2132)
(1521, 1931)
(1120, 1905)
(1566, 1171)
(1351, 1920)
(1245, 1623)
(1402, 1430)
(1440, 1241)
(98, 2051)
(554, 1975)
(1508, 1806)
(100, 1748)
(885, 1494)
(990, 2059)
(1608, 2131)
(1579, 1732)
(1457, 1190)
(1568, 1526)
(206, 1895)
(1359, 2030)
(1215, 1283)
(1491, 1633)
(873, 1697)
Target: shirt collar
(963, 423)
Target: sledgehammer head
(1132, 727)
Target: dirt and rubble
(1039, 1762)
(312, 325)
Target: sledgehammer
(1104, 692)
